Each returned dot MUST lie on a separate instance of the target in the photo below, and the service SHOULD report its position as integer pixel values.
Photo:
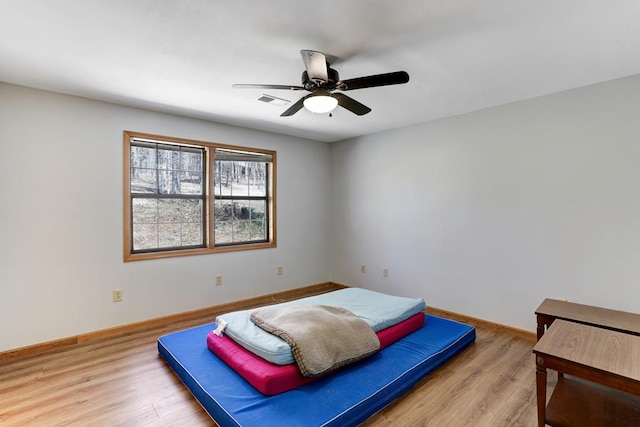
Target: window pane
(223, 213)
(258, 230)
(168, 182)
(190, 183)
(240, 221)
(167, 170)
(223, 232)
(167, 223)
(192, 234)
(144, 211)
(224, 178)
(217, 184)
(240, 185)
(191, 211)
(257, 210)
(241, 231)
(191, 161)
(240, 179)
(168, 235)
(145, 236)
(168, 159)
(258, 179)
(143, 157)
(168, 210)
(143, 181)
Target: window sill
(200, 251)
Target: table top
(605, 350)
(603, 317)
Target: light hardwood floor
(123, 382)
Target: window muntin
(187, 197)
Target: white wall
(61, 220)
(484, 214)
(488, 213)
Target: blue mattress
(346, 397)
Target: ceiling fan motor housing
(311, 85)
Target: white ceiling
(182, 56)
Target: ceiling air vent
(273, 100)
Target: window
(185, 197)
(241, 198)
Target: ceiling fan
(323, 82)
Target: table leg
(540, 330)
(541, 390)
(543, 322)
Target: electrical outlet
(117, 295)
(279, 270)
(385, 272)
(363, 268)
(219, 280)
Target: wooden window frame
(210, 246)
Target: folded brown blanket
(322, 338)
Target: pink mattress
(271, 379)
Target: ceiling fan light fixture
(320, 103)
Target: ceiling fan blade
(316, 64)
(351, 104)
(258, 86)
(297, 106)
(395, 78)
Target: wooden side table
(614, 320)
(590, 355)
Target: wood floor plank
(476, 388)
(123, 382)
